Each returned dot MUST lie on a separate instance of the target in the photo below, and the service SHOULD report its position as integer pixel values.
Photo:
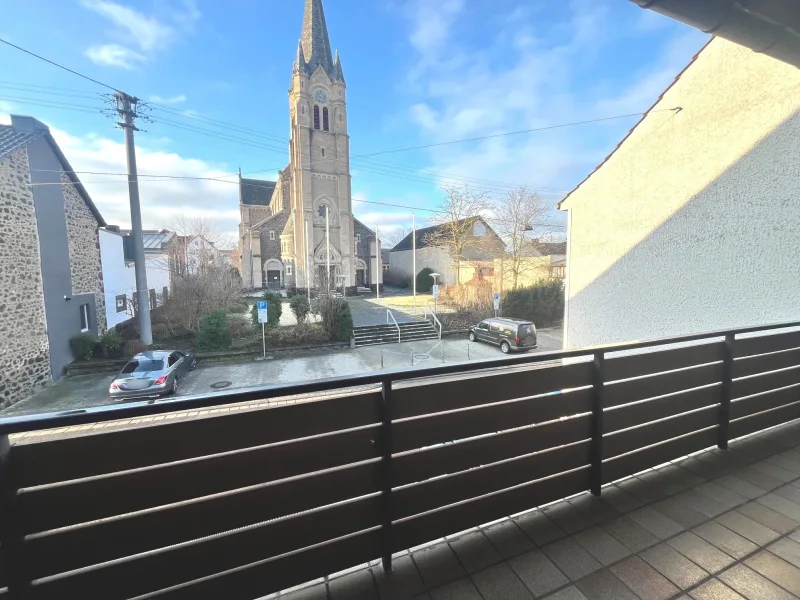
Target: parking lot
(86, 391)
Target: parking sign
(496, 301)
(435, 291)
(262, 311)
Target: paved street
(92, 390)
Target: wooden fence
(245, 504)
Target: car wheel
(175, 386)
(471, 336)
(505, 348)
(194, 363)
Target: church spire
(314, 41)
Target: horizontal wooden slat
(629, 464)
(762, 402)
(647, 363)
(763, 420)
(51, 507)
(632, 415)
(753, 365)
(633, 439)
(764, 383)
(443, 491)
(633, 390)
(141, 532)
(279, 574)
(453, 519)
(156, 571)
(766, 343)
(452, 458)
(85, 456)
(454, 392)
(458, 425)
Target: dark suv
(509, 334)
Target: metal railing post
(386, 474)
(11, 537)
(726, 391)
(596, 472)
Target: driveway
(84, 391)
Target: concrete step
(410, 331)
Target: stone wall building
(306, 217)
(51, 280)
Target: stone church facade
(292, 229)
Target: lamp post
(414, 257)
(378, 264)
(328, 248)
(436, 295)
(308, 273)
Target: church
(300, 231)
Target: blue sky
(418, 72)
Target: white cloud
(180, 98)
(162, 199)
(148, 33)
(113, 55)
(432, 22)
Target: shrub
(82, 346)
(134, 347)
(303, 334)
(337, 320)
(542, 303)
(274, 309)
(300, 307)
(214, 334)
(241, 328)
(111, 343)
(395, 279)
(424, 281)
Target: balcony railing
(242, 503)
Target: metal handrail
(389, 314)
(435, 318)
(130, 410)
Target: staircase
(371, 335)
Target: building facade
(691, 224)
(51, 280)
(293, 228)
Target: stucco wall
(435, 258)
(84, 249)
(692, 224)
(23, 335)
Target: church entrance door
(361, 278)
(274, 280)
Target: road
(86, 391)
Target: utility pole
(126, 107)
(378, 265)
(414, 257)
(328, 250)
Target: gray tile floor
(714, 526)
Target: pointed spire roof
(315, 44)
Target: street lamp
(436, 295)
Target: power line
(59, 106)
(32, 90)
(55, 64)
(55, 103)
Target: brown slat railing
(248, 502)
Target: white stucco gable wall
(693, 224)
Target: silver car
(152, 374)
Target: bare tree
(197, 245)
(456, 218)
(520, 218)
(392, 237)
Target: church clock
(320, 96)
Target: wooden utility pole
(126, 107)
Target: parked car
(509, 334)
(152, 374)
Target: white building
(693, 222)
(119, 274)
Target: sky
(418, 72)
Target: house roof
(24, 130)
(155, 241)
(256, 192)
(549, 249)
(424, 234)
(639, 122)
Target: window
(84, 317)
(288, 269)
(325, 125)
(271, 235)
(316, 117)
(494, 327)
(484, 325)
(323, 152)
(122, 303)
(358, 238)
(142, 365)
(340, 117)
(303, 110)
(173, 358)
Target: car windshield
(142, 365)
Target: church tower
(321, 203)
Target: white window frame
(272, 235)
(288, 269)
(358, 238)
(84, 308)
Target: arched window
(316, 117)
(325, 119)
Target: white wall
(692, 224)
(119, 278)
(437, 259)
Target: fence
(242, 505)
